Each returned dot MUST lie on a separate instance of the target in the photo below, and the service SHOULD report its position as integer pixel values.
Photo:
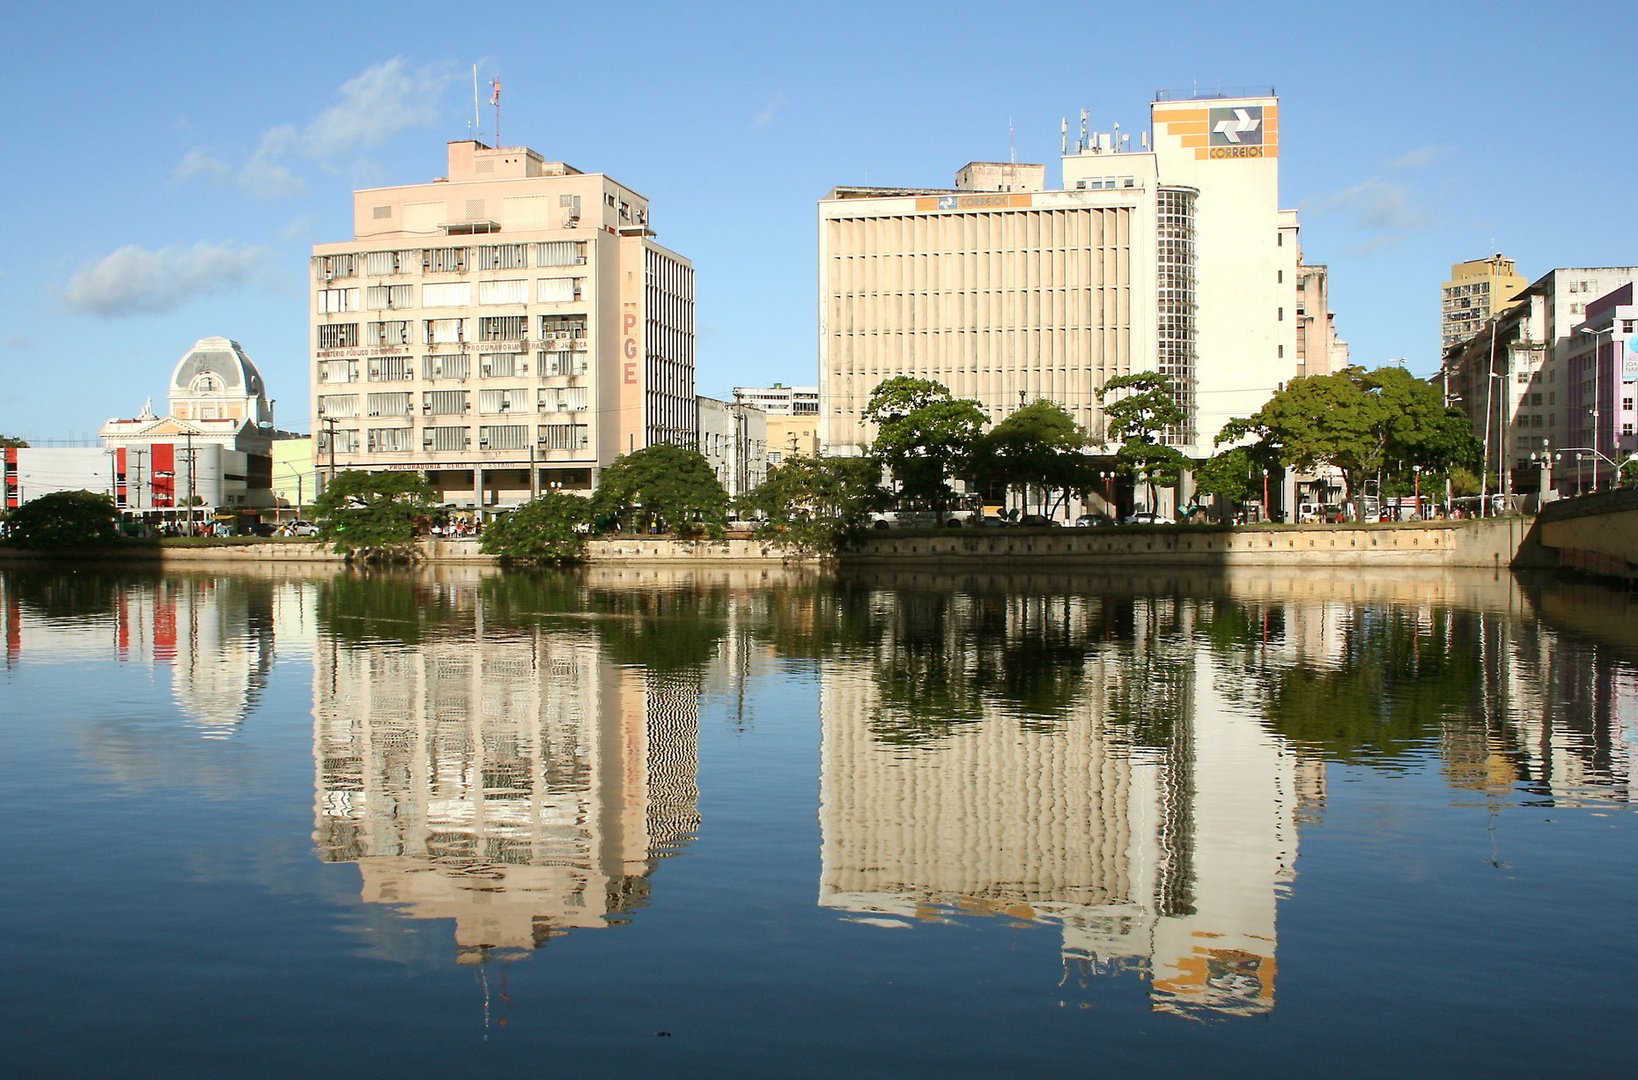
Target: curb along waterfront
(1485, 544)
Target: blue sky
(169, 165)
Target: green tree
(549, 529)
(1359, 422)
(663, 487)
(816, 503)
(1137, 409)
(12, 441)
(924, 437)
(63, 519)
(372, 515)
(1039, 446)
(1231, 475)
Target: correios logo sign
(1235, 132)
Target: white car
(1145, 517)
(301, 528)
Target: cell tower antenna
(1012, 143)
(1081, 146)
(1063, 137)
(476, 130)
(494, 99)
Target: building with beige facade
(1543, 385)
(1172, 257)
(1477, 289)
(509, 327)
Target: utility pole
(136, 488)
(329, 423)
(188, 453)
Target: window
(346, 441)
(389, 440)
(563, 399)
(501, 257)
(332, 301)
(396, 332)
(497, 365)
(560, 362)
(392, 369)
(380, 297)
(563, 436)
(330, 267)
(443, 438)
(344, 405)
(562, 327)
(444, 260)
(560, 253)
(558, 290)
(500, 401)
(444, 402)
(395, 403)
(452, 366)
(503, 327)
(383, 263)
(503, 292)
(444, 331)
(503, 437)
(338, 336)
(337, 371)
(447, 294)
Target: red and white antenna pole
(494, 99)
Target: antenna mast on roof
(1012, 143)
(1063, 137)
(476, 131)
(494, 99)
(1080, 147)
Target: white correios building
(511, 327)
(1173, 258)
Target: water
(644, 822)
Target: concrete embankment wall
(1473, 544)
(1596, 534)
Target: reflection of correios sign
(1629, 360)
(1235, 132)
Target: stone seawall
(1482, 544)
(1473, 544)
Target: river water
(645, 822)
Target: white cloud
(197, 162)
(769, 112)
(1380, 208)
(139, 281)
(373, 106)
(376, 105)
(1419, 158)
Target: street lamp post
(1416, 471)
(1597, 439)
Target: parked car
(1093, 521)
(301, 528)
(1037, 521)
(1145, 517)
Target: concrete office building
(1477, 289)
(1171, 257)
(510, 327)
(734, 441)
(781, 400)
(1542, 385)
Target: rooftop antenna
(1080, 147)
(1115, 142)
(1063, 137)
(475, 129)
(494, 99)
(1143, 139)
(1012, 143)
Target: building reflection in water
(512, 780)
(1149, 821)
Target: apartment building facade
(1545, 382)
(508, 328)
(1477, 289)
(1174, 257)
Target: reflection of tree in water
(365, 606)
(1399, 674)
(63, 593)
